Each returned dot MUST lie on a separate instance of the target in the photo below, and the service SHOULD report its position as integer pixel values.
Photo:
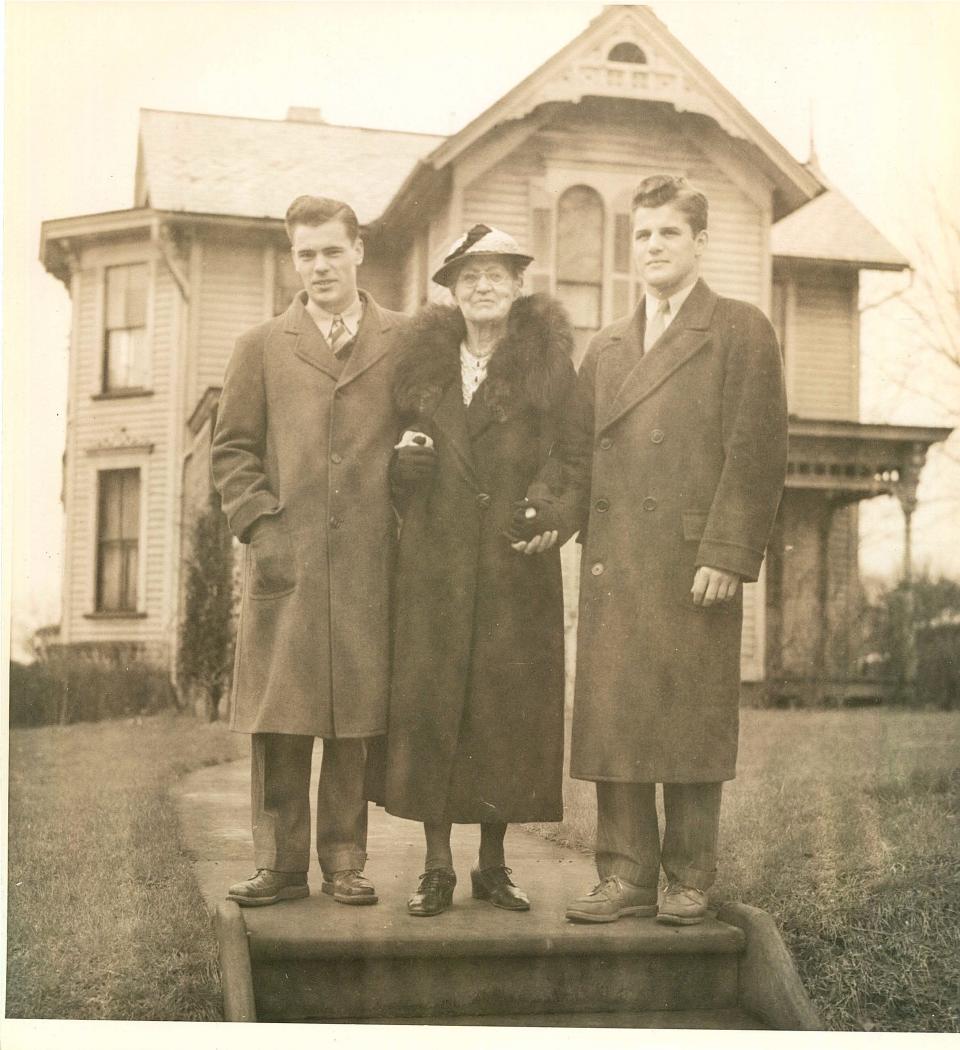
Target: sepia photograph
(481, 522)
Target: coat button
(597, 568)
(335, 523)
(649, 503)
(656, 436)
(606, 443)
(483, 500)
(336, 457)
(602, 505)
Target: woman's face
(485, 288)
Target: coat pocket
(270, 553)
(694, 523)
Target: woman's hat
(479, 240)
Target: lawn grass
(844, 826)
(105, 920)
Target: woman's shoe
(494, 885)
(435, 892)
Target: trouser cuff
(286, 862)
(342, 860)
(616, 864)
(694, 877)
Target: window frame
(105, 391)
(103, 461)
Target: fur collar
(530, 366)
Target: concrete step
(315, 958)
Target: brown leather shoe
(682, 906)
(268, 887)
(494, 885)
(435, 892)
(349, 887)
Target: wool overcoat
(689, 456)
(476, 712)
(302, 445)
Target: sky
(879, 82)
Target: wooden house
(161, 290)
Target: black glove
(524, 526)
(414, 464)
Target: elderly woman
(476, 715)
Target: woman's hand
(534, 527)
(538, 545)
(415, 459)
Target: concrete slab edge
(769, 985)
(236, 976)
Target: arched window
(627, 52)
(580, 260)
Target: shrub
(206, 642)
(88, 682)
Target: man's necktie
(657, 324)
(340, 338)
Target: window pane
(118, 364)
(582, 302)
(109, 578)
(116, 297)
(580, 236)
(136, 312)
(136, 357)
(286, 283)
(118, 529)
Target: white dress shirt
(351, 318)
(652, 305)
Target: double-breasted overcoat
(476, 713)
(689, 456)
(302, 445)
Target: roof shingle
(214, 165)
(831, 228)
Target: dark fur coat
(476, 714)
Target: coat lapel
(368, 345)
(686, 336)
(310, 346)
(450, 420)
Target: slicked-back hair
(315, 211)
(673, 189)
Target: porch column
(905, 489)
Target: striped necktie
(657, 324)
(340, 338)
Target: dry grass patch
(105, 920)
(844, 826)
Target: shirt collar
(351, 317)
(676, 301)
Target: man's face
(666, 249)
(327, 260)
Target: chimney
(305, 114)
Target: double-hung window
(125, 364)
(118, 540)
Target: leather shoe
(494, 885)
(435, 892)
(611, 898)
(268, 887)
(682, 906)
(349, 887)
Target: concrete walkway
(214, 806)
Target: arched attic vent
(626, 51)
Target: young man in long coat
(300, 455)
(685, 409)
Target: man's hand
(711, 586)
(538, 545)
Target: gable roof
(670, 74)
(253, 168)
(830, 228)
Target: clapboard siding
(230, 300)
(501, 196)
(822, 349)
